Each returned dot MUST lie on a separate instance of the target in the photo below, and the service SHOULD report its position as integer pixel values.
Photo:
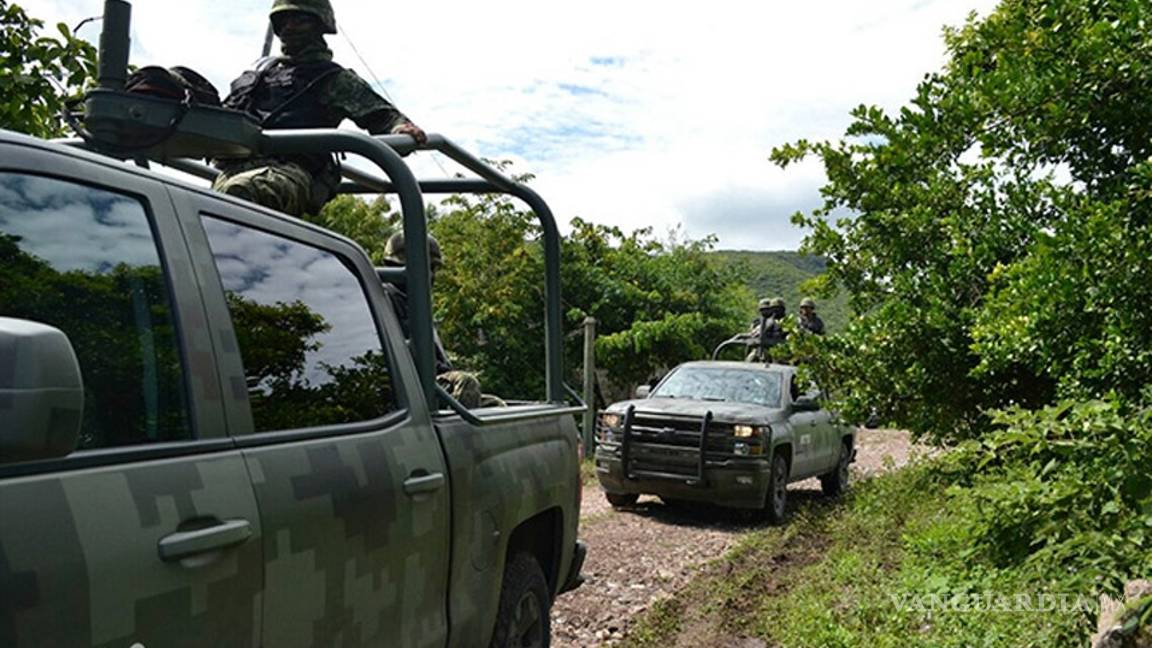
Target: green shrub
(1065, 491)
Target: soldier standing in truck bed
(767, 330)
(303, 88)
(464, 386)
(809, 320)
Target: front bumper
(731, 483)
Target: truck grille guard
(626, 453)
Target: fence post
(589, 385)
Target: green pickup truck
(213, 431)
(733, 434)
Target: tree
(39, 73)
(658, 303)
(998, 225)
(369, 223)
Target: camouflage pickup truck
(213, 431)
(733, 434)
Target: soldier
(809, 320)
(463, 385)
(768, 330)
(302, 89)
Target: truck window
(85, 261)
(311, 350)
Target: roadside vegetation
(892, 567)
(998, 258)
(657, 300)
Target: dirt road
(640, 555)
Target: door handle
(425, 483)
(184, 544)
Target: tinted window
(312, 354)
(85, 261)
(722, 384)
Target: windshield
(722, 384)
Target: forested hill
(781, 273)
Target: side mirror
(41, 392)
(805, 404)
(643, 390)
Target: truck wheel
(776, 500)
(836, 482)
(622, 499)
(523, 618)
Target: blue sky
(634, 114)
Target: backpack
(177, 83)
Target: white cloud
(630, 113)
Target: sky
(631, 113)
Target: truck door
(148, 534)
(827, 439)
(345, 464)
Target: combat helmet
(322, 9)
(395, 251)
(764, 303)
(807, 302)
(778, 302)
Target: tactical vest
(284, 95)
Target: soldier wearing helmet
(302, 88)
(809, 320)
(463, 385)
(767, 330)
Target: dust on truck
(212, 430)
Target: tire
(622, 499)
(836, 482)
(775, 509)
(524, 615)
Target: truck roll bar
(114, 120)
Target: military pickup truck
(212, 430)
(733, 434)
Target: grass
(588, 471)
(889, 567)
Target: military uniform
(303, 88)
(808, 319)
(812, 324)
(767, 330)
(464, 386)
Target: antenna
(268, 35)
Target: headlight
(743, 431)
(610, 421)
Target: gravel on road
(641, 554)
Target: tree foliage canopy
(998, 240)
(39, 73)
(998, 249)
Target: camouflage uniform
(301, 89)
(810, 321)
(464, 386)
(767, 329)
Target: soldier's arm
(352, 98)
